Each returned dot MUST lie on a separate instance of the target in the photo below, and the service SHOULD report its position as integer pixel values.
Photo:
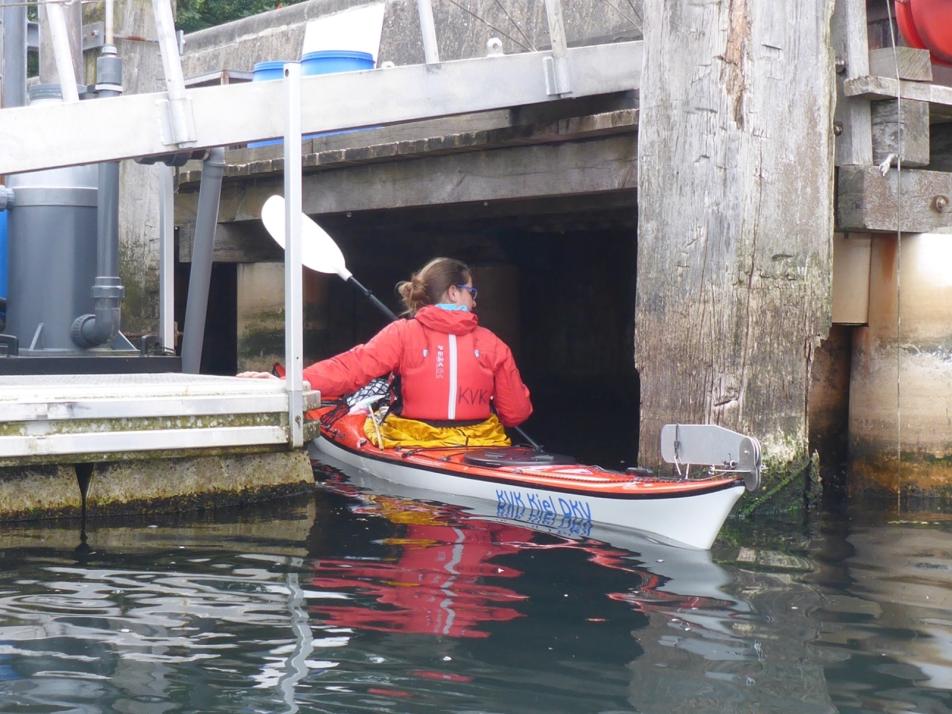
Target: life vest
(927, 25)
(450, 368)
(445, 381)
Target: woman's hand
(268, 375)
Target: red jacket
(449, 368)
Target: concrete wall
(520, 24)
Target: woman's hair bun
(429, 283)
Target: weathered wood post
(735, 175)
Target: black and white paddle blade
(318, 250)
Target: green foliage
(194, 15)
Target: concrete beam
(248, 242)
(410, 141)
(39, 492)
(509, 174)
(867, 201)
(52, 135)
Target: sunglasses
(471, 290)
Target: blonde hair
(427, 285)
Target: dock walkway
(121, 417)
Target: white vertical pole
(562, 78)
(59, 35)
(180, 118)
(109, 14)
(166, 257)
(431, 52)
(293, 292)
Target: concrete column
(261, 314)
(901, 381)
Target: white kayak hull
(686, 520)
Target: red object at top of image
(927, 25)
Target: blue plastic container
(321, 62)
(264, 72)
(269, 69)
(329, 62)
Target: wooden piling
(735, 166)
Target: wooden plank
(733, 274)
(906, 137)
(851, 119)
(908, 62)
(869, 201)
(939, 96)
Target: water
(346, 603)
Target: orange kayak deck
(347, 433)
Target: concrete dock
(149, 440)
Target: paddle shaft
(373, 299)
(393, 318)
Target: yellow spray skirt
(400, 431)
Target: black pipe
(14, 54)
(199, 276)
(107, 290)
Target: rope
(623, 14)
(516, 25)
(491, 26)
(641, 19)
(892, 38)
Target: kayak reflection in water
(446, 572)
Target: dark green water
(337, 604)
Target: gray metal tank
(52, 252)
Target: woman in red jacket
(459, 384)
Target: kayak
(532, 485)
(684, 511)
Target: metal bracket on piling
(725, 451)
